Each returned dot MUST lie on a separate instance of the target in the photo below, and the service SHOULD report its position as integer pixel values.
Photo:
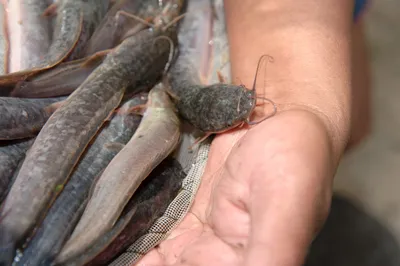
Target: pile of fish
(94, 98)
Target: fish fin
(221, 77)
(134, 17)
(92, 187)
(110, 116)
(114, 146)
(96, 58)
(53, 107)
(138, 109)
(51, 10)
(199, 140)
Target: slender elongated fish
(23, 118)
(60, 80)
(11, 153)
(67, 77)
(68, 131)
(157, 136)
(30, 33)
(74, 25)
(210, 108)
(148, 204)
(63, 215)
(116, 26)
(93, 13)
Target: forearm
(310, 43)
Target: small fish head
(246, 103)
(235, 105)
(159, 98)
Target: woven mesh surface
(175, 212)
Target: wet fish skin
(67, 30)
(93, 13)
(11, 153)
(151, 201)
(112, 29)
(29, 33)
(66, 210)
(23, 118)
(157, 136)
(147, 204)
(68, 131)
(61, 80)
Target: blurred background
(370, 174)
(363, 227)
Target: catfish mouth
(252, 109)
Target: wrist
(312, 57)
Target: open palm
(264, 194)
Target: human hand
(265, 193)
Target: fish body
(93, 12)
(209, 108)
(64, 213)
(157, 136)
(29, 33)
(148, 203)
(11, 153)
(75, 23)
(113, 28)
(67, 29)
(68, 131)
(23, 118)
(60, 80)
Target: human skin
(267, 189)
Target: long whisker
(171, 53)
(270, 59)
(266, 117)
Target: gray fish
(75, 22)
(157, 136)
(23, 118)
(68, 131)
(63, 214)
(93, 13)
(67, 30)
(210, 108)
(29, 33)
(147, 205)
(11, 154)
(115, 26)
(60, 80)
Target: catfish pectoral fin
(114, 146)
(59, 85)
